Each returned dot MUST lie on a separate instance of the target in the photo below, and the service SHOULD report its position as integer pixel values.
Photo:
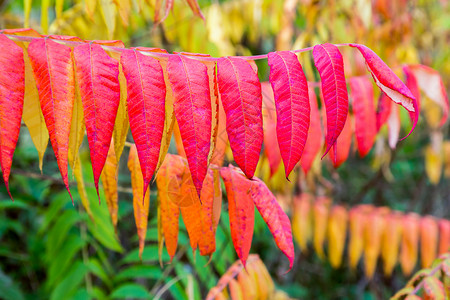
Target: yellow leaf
(59, 5)
(249, 289)
(320, 212)
(26, 12)
(124, 7)
(109, 181)
(77, 128)
(302, 221)
(44, 15)
(337, 231)
(141, 204)
(78, 173)
(122, 124)
(390, 244)
(433, 164)
(410, 241)
(373, 232)
(90, 6)
(109, 12)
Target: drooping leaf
(12, 91)
(433, 162)
(373, 233)
(357, 219)
(429, 232)
(364, 113)
(192, 218)
(272, 152)
(383, 110)
(388, 82)
(337, 231)
(77, 128)
(314, 137)
(97, 76)
(81, 188)
(146, 107)
(302, 220)
(169, 210)
(124, 7)
(434, 288)
(444, 236)
(241, 210)
(292, 103)
(343, 143)
(140, 207)
(275, 218)
(54, 74)
(410, 243)
(320, 220)
(221, 143)
(393, 123)
(330, 65)
(250, 290)
(193, 4)
(390, 244)
(240, 92)
(413, 86)
(192, 107)
(430, 82)
(235, 290)
(109, 181)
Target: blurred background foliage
(52, 249)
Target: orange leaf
(428, 240)
(235, 290)
(140, 207)
(109, 181)
(444, 236)
(357, 218)
(337, 231)
(410, 240)
(390, 244)
(373, 232)
(241, 210)
(249, 289)
(302, 220)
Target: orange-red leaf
(330, 65)
(444, 236)
(383, 110)
(314, 138)
(240, 92)
(97, 76)
(364, 112)
(292, 103)
(195, 8)
(343, 143)
(241, 210)
(54, 74)
(146, 107)
(275, 218)
(12, 91)
(140, 207)
(192, 107)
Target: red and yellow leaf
(364, 113)
(343, 143)
(192, 107)
(240, 92)
(373, 233)
(314, 137)
(193, 4)
(320, 221)
(292, 104)
(97, 75)
(241, 210)
(275, 218)
(357, 220)
(140, 207)
(337, 232)
(12, 91)
(302, 220)
(54, 74)
(390, 244)
(429, 235)
(146, 107)
(109, 181)
(330, 65)
(444, 236)
(388, 82)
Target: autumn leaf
(383, 110)
(373, 233)
(444, 236)
(146, 107)
(337, 231)
(54, 74)
(390, 244)
(330, 65)
(320, 221)
(77, 129)
(109, 181)
(343, 144)
(429, 234)
(141, 208)
(97, 75)
(302, 220)
(241, 210)
(364, 113)
(357, 220)
(12, 91)
(410, 243)
(192, 107)
(413, 86)
(393, 122)
(240, 92)
(292, 104)
(275, 218)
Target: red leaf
(344, 142)
(314, 137)
(146, 110)
(292, 103)
(192, 107)
(388, 82)
(97, 75)
(364, 111)
(411, 83)
(195, 8)
(270, 128)
(241, 211)
(240, 92)
(330, 65)
(54, 74)
(383, 110)
(12, 91)
(430, 82)
(275, 218)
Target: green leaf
(97, 269)
(150, 272)
(150, 254)
(70, 284)
(9, 289)
(58, 232)
(130, 291)
(53, 211)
